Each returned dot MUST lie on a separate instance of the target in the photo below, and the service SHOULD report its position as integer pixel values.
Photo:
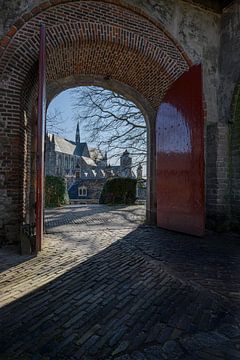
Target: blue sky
(63, 103)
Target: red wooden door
(40, 139)
(180, 156)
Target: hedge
(55, 191)
(119, 191)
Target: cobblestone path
(126, 292)
(93, 217)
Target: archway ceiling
(97, 38)
(143, 73)
(217, 5)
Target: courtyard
(106, 286)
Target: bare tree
(112, 122)
(55, 122)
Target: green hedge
(119, 191)
(55, 191)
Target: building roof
(67, 146)
(79, 149)
(89, 161)
(87, 180)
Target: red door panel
(180, 156)
(40, 139)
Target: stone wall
(228, 160)
(229, 59)
(234, 167)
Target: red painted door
(40, 139)
(180, 156)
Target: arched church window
(60, 160)
(82, 191)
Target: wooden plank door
(180, 156)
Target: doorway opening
(96, 43)
(96, 150)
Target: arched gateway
(121, 48)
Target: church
(84, 169)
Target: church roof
(67, 146)
(89, 161)
(80, 148)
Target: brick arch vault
(88, 42)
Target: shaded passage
(126, 293)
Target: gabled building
(84, 169)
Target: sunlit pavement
(107, 287)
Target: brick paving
(106, 287)
(93, 217)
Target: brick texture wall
(87, 37)
(115, 40)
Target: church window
(66, 162)
(82, 191)
(58, 160)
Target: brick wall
(10, 163)
(88, 37)
(127, 44)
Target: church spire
(77, 134)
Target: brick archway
(56, 87)
(97, 38)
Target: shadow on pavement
(119, 303)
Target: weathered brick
(142, 45)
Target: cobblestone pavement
(93, 217)
(128, 293)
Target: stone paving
(93, 217)
(106, 287)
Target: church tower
(78, 150)
(105, 159)
(77, 134)
(126, 164)
(139, 172)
